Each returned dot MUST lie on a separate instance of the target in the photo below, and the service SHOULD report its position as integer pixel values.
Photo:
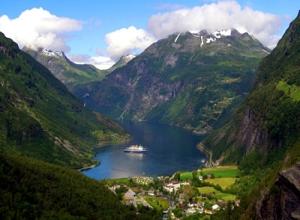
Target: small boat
(135, 149)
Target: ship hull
(135, 151)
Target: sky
(99, 31)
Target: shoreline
(99, 146)
(89, 167)
(201, 147)
(106, 143)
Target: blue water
(170, 149)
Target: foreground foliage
(31, 189)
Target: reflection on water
(169, 150)
(137, 156)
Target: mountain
(270, 116)
(40, 118)
(264, 135)
(68, 72)
(191, 80)
(123, 60)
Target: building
(215, 207)
(129, 197)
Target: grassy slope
(292, 91)
(211, 191)
(39, 117)
(225, 177)
(218, 172)
(157, 203)
(224, 182)
(222, 171)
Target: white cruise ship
(135, 149)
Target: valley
(191, 115)
(169, 149)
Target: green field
(224, 182)
(124, 181)
(292, 91)
(209, 190)
(219, 171)
(157, 203)
(186, 176)
(222, 171)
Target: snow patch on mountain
(209, 37)
(178, 35)
(202, 42)
(209, 40)
(222, 33)
(52, 53)
(128, 57)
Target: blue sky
(98, 18)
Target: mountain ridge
(68, 72)
(169, 79)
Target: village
(183, 195)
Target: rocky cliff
(283, 199)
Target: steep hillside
(39, 117)
(31, 189)
(45, 190)
(283, 200)
(69, 73)
(270, 117)
(264, 136)
(191, 80)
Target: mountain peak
(52, 53)
(217, 33)
(127, 57)
(223, 32)
(205, 37)
(123, 60)
(65, 69)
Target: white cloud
(216, 16)
(127, 40)
(37, 27)
(101, 62)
